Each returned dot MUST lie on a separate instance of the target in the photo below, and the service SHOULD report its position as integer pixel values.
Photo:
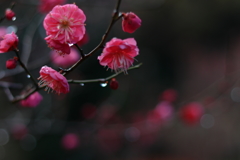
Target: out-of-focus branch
(10, 85)
(115, 18)
(103, 79)
(23, 96)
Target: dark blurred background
(191, 47)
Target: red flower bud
(9, 14)
(130, 22)
(114, 84)
(11, 64)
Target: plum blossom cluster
(65, 28)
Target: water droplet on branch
(82, 84)
(103, 84)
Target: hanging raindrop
(28, 76)
(82, 84)
(14, 18)
(103, 84)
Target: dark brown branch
(102, 79)
(25, 68)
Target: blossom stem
(80, 50)
(25, 68)
(103, 79)
(115, 18)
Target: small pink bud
(114, 84)
(130, 22)
(11, 64)
(9, 14)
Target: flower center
(65, 24)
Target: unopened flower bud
(130, 22)
(11, 64)
(114, 84)
(9, 14)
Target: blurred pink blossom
(70, 141)
(66, 60)
(165, 110)
(19, 131)
(130, 22)
(47, 5)
(65, 23)
(84, 40)
(191, 113)
(119, 54)
(3, 31)
(169, 95)
(32, 101)
(53, 80)
(61, 49)
(9, 42)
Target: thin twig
(80, 50)
(103, 79)
(24, 96)
(8, 93)
(25, 68)
(10, 85)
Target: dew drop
(28, 76)
(82, 84)
(14, 18)
(103, 84)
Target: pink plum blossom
(130, 22)
(65, 23)
(119, 54)
(9, 42)
(53, 80)
(32, 101)
(62, 49)
(47, 5)
(65, 61)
